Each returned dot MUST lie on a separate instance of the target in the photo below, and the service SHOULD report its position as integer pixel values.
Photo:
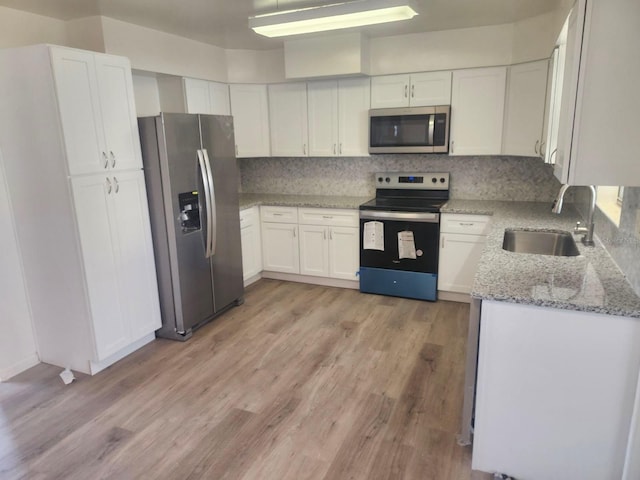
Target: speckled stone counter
(248, 200)
(590, 282)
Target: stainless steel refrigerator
(192, 188)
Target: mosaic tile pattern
(485, 178)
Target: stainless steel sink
(543, 242)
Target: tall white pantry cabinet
(72, 156)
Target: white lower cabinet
(117, 250)
(316, 242)
(251, 243)
(280, 251)
(555, 392)
(462, 240)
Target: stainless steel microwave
(409, 130)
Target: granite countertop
(590, 282)
(248, 200)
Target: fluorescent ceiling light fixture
(331, 17)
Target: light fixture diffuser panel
(331, 17)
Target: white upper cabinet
(322, 97)
(354, 100)
(202, 96)
(599, 121)
(97, 109)
(525, 109)
(339, 117)
(250, 110)
(415, 90)
(288, 119)
(477, 111)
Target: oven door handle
(422, 217)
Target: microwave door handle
(432, 124)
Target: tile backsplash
(481, 178)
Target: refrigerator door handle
(207, 198)
(213, 221)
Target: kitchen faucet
(587, 238)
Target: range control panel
(415, 181)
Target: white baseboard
(324, 281)
(253, 279)
(19, 367)
(454, 297)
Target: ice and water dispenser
(189, 212)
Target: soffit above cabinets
(224, 22)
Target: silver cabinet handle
(113, 159)
(542, 149)
(106, 160)
(324, 234)
(552, 154)
(406, 91)
(115, 180)
(236, 149)
(334, 149)
(452, 146)
(304, 148)
(108, 186)
(535, 149)
(294, 232)
(341, 149)
(442, 241)
(413, 91)
(330, 234)
(328, 217)
(463, 224)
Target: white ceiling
(224, 22)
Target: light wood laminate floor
(300, 382)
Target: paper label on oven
(373, 236)
(406, 245)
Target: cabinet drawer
(328, 216)
(471, 224)
(279, 214)
(248, 216)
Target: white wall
(86, 34)
(17, 344)
(145, 90)
(252, 66)
(18, 28)
(156, 51)
(445, 50)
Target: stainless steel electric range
(400, 235)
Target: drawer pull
(278, 214)
(328, 217)
(468, 224)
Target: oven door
(402, 264)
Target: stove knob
(442, 180)
(387, 180)
(434, 179)
(380, 179)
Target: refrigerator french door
(192, 187)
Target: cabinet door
(118, 112)
(80, 113)
(251, 244)
(344, 252)
(554, 101)
(525, 109)
(477, 111)
(196, 95)
(314, 251)
(288, 119)
(280, 247)
(322, 98)
(250, 110)
(92, 196)
(430, 88)
(390, 91)
(459, 257)
(353, 117)
(219, 98)
(138, 287)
